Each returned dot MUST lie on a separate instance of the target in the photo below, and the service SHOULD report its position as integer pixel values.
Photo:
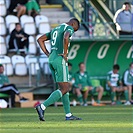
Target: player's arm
(66, 43)
(41, 42)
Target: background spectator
(123, 20)
(114, 84)
(18, 38)
(128, 80)
(7, 88)
(32, 8)
(17, 6)
(83, 86)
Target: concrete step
(51, 8)
(55, 14)
(58, 20)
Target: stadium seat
(41, 19)
(32, 45)
(28, 24)
(2, 8)
(44, 28)
(10, 22)
(32, 64)
(6, 61)
(3, 48)
(19, 65)
(47, 44)
(95, 82)
(43, 60)
(42, 23)
(2, 26)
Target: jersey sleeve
(70, 30)
(48, 35)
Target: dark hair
(1, 65)
(81, 63)
(75, 19)
(17, 24)
(69, 64)
(126, 3)
(116, 66)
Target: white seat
(8, 69)
(3, 48)
(28, 24)
(44, 28)
(32, 64)
(2, 40)
(32, 45)
(6, 61)
(47, 43)
(2, 26)
(2, 8)
(11, 20)
(19, 65)
(41, 19)
(43, 60)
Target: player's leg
(129, 87)
(99, 90)
(125, 90)
(113, 95)
(85, 95)
(79, 95)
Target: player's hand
(64, 56)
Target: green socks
(80, 98)
(66, 103)
(54, 97)
(126, 95)
(113, 95)
(98, 101)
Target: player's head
(82, 66)
(131, 66)
(116, 68)
(126, 6)
(74, 23)
(1, 68)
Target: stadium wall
(99, 56)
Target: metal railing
(90, 19)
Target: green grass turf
(112, 119)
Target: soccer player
(83, 86)
(59, 38)
(128, 80)
(114, 84)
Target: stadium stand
(42, 23)
(32, 64)
(27, 22)
(2, 26)
(2, 8)
(32, 45)
(19, 65)
(10, 22)
(3, 46)
(6, 61)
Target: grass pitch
(107, 119)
